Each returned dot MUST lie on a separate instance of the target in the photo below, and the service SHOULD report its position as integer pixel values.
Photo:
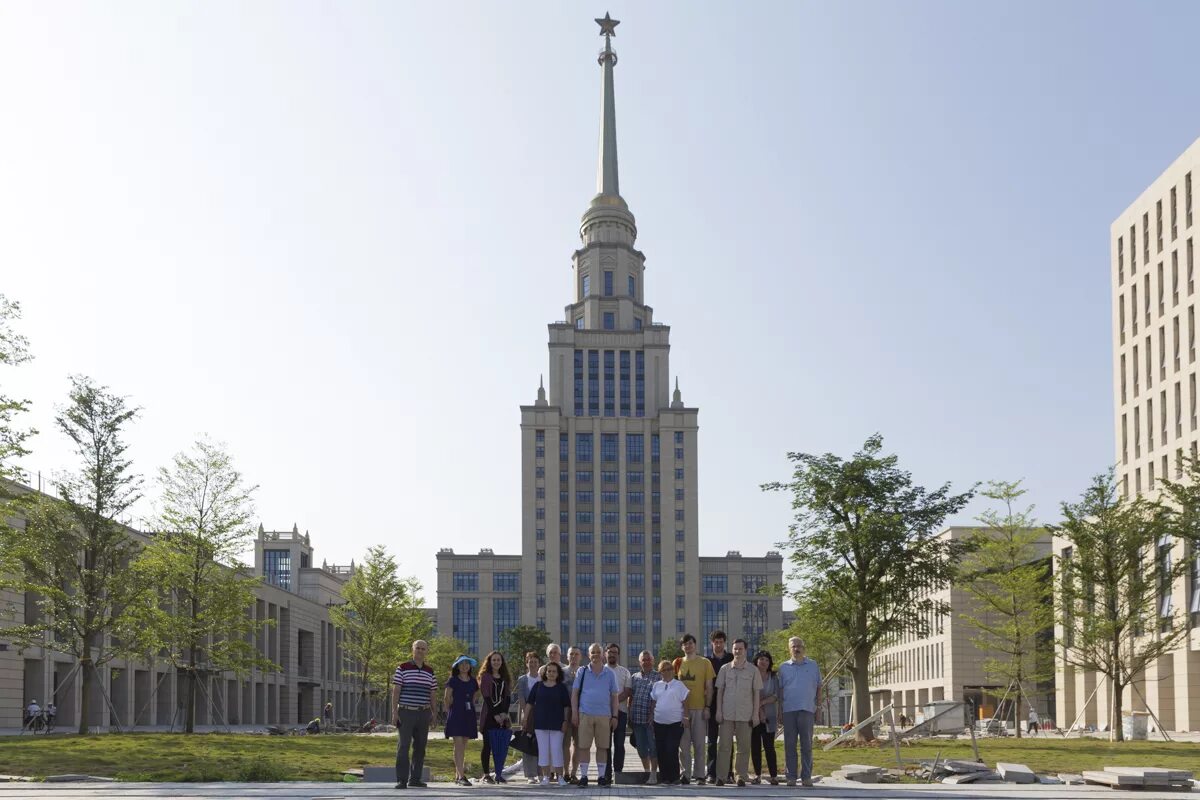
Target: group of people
(36, 716)
(685, 715)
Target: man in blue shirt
(799, 690)
(594, 711)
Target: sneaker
(791, 781)
(583, 782)
(401, 786)
(488, 779)
(698, 781)
(561, 782)
(533, 781)
(755, 781)
(501, 779)
(720, 782)
(545, 781)
(807, 782)
(652, 780)
(604, 780)
(418, 784)
(741, 782)
(774, 781)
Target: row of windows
(1132, 367)
(501, 581)
(1161, 474)
(1158, 229)
(1165, 419)
(632, 375)
(586, 284)
(1147, 305)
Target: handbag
(525, 742)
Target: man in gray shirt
(799, 690)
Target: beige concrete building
(609, 467)
(1153, 274)
(911, 670)
(296, 595)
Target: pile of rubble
(861, 773)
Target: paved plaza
(335, 791)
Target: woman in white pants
(546, 713)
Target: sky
(332, 235)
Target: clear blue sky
(332, 235)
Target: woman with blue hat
(460, 701)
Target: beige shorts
(594, 728)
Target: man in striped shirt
(414, 691)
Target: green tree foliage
(381, 615)
(196, 612)
(865, 543)
(516, 642)
(1008, 575)
(73, 554)
(14, 350)
(442, 652)
(1115, 581)
(668, 650)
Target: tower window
(587, 285)
(608, 283)
(637, 323)
(632, 286)
(579, 322)
(610, 321)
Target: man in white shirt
(616, 753)
(31, 711)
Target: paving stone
(1112, 778)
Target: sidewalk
(333, 791)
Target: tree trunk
(1117, 732)
(862, 692)
(88, 675)
(189, 700)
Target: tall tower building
(608, 460)
(1154, 305)
(609, 507)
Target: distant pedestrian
(327, 718)
(799, 687)
(414, 695)
(1033, 721)
(462, 692)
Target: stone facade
(309, 649)
(1153, 246)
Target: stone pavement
(360, 791)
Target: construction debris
(860, 773)
(984, 776)
(1015, 773)
(1137, 777)
(1070, 778)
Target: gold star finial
(608, 25)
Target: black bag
(525, 742)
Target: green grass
(244, 757)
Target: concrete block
(972, 777)
(378, 774)
(1112, 778)
(1015, 773)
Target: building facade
(609, 465)
(913, 669)
(293, 603)
(1153, 276)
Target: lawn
(201, 757)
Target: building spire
(607, 183)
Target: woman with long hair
(496, 688)
(460, 697)
(762, 736)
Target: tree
(669, 650)
(1008, 575)
(381, 615)
(196, 611)
(14, 350)
(865, 543)
(1114, 604)
(516, 642)
(73, 554)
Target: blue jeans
(644, 736)
(798, 724)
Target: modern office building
(1153, 274)
(295, 597)
(913, 669)
(609, 464)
